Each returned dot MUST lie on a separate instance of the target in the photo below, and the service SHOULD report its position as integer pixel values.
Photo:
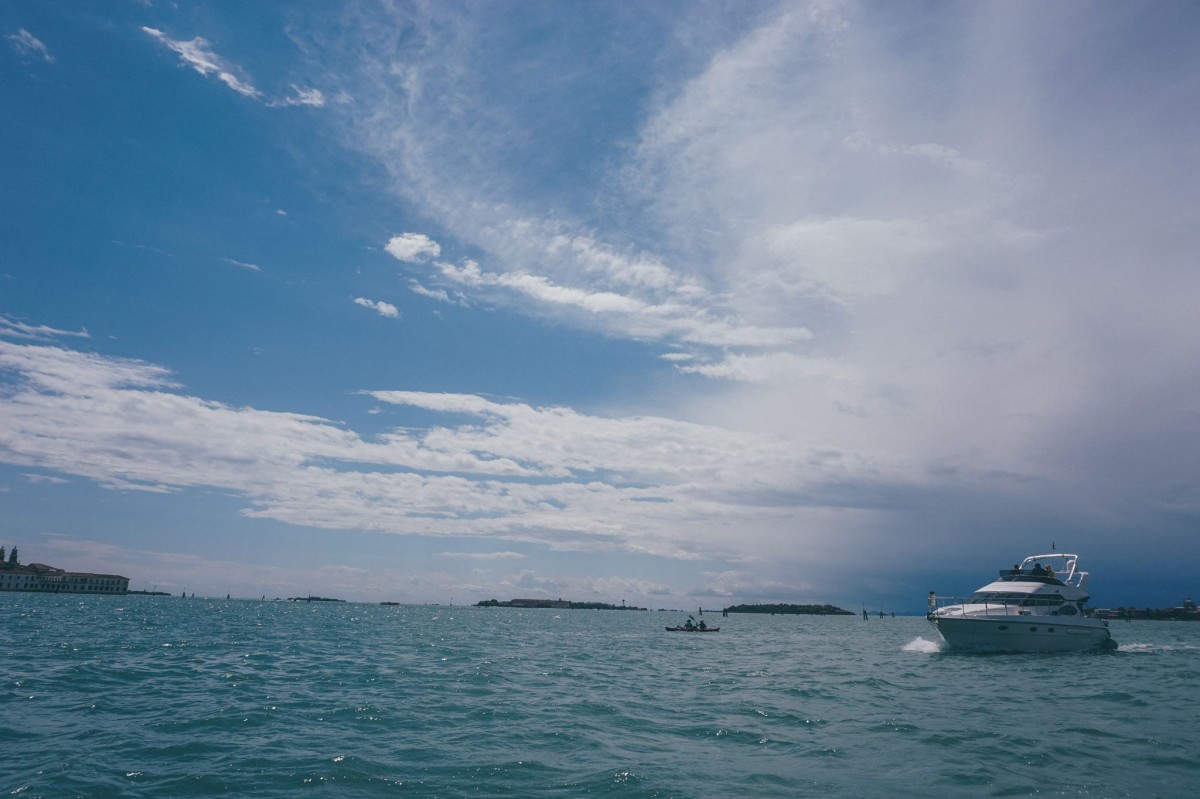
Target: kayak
(693, 630)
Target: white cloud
(950, 267)
(413, 247)
(380, 307)
(44, 478)
(548, 475)
(197, 54)
(549, 266)
(483, 555)
(777, 366)
(951, 255)
(15, 329)
(640, 270)
(630, 315)
(310, 97)
(441, 295)
(243, 264)
(26, 44)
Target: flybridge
(1057, 568)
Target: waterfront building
(538, 603)
(47, 579)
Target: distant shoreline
(794, 610)
(1147, 614)
(562, 604)
(557, 604)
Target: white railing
(956, 606)
(966, 606)
(1064, 568)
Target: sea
(143, 696)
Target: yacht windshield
(1025, 600)
(997, 596)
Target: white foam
(920, 644)
(1155, 648)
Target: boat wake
(920, 644)
(1156, 648)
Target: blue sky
(675, 303)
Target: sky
(674, 304)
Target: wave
(920, 644)
(1157, 648)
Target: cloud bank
(959, 254)
(905, 278)
(505, 470)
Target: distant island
(799, 610)
(552, 603)
(562, 604)
(1185, 612)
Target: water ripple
(133, 697)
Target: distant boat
(1037, 606)
(690, 626)
(693, 629)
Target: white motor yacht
(1036, 606)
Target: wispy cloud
(300, 96)
(929, 255)
(679, 316)
(29, 46)
(242, 264)
(483, 555)
(381, 308)
(441, 295)
(942, 286)
(198, 54)
(548, 475)
(45, 478)
(537, 258)
(15, 329)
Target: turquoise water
(159, 697)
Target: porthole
(1002, 627)
(1049, 629)
(1033, 629)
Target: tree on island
(551, 603)
(807, 610)
(12, 558)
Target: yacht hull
(1024, 634)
